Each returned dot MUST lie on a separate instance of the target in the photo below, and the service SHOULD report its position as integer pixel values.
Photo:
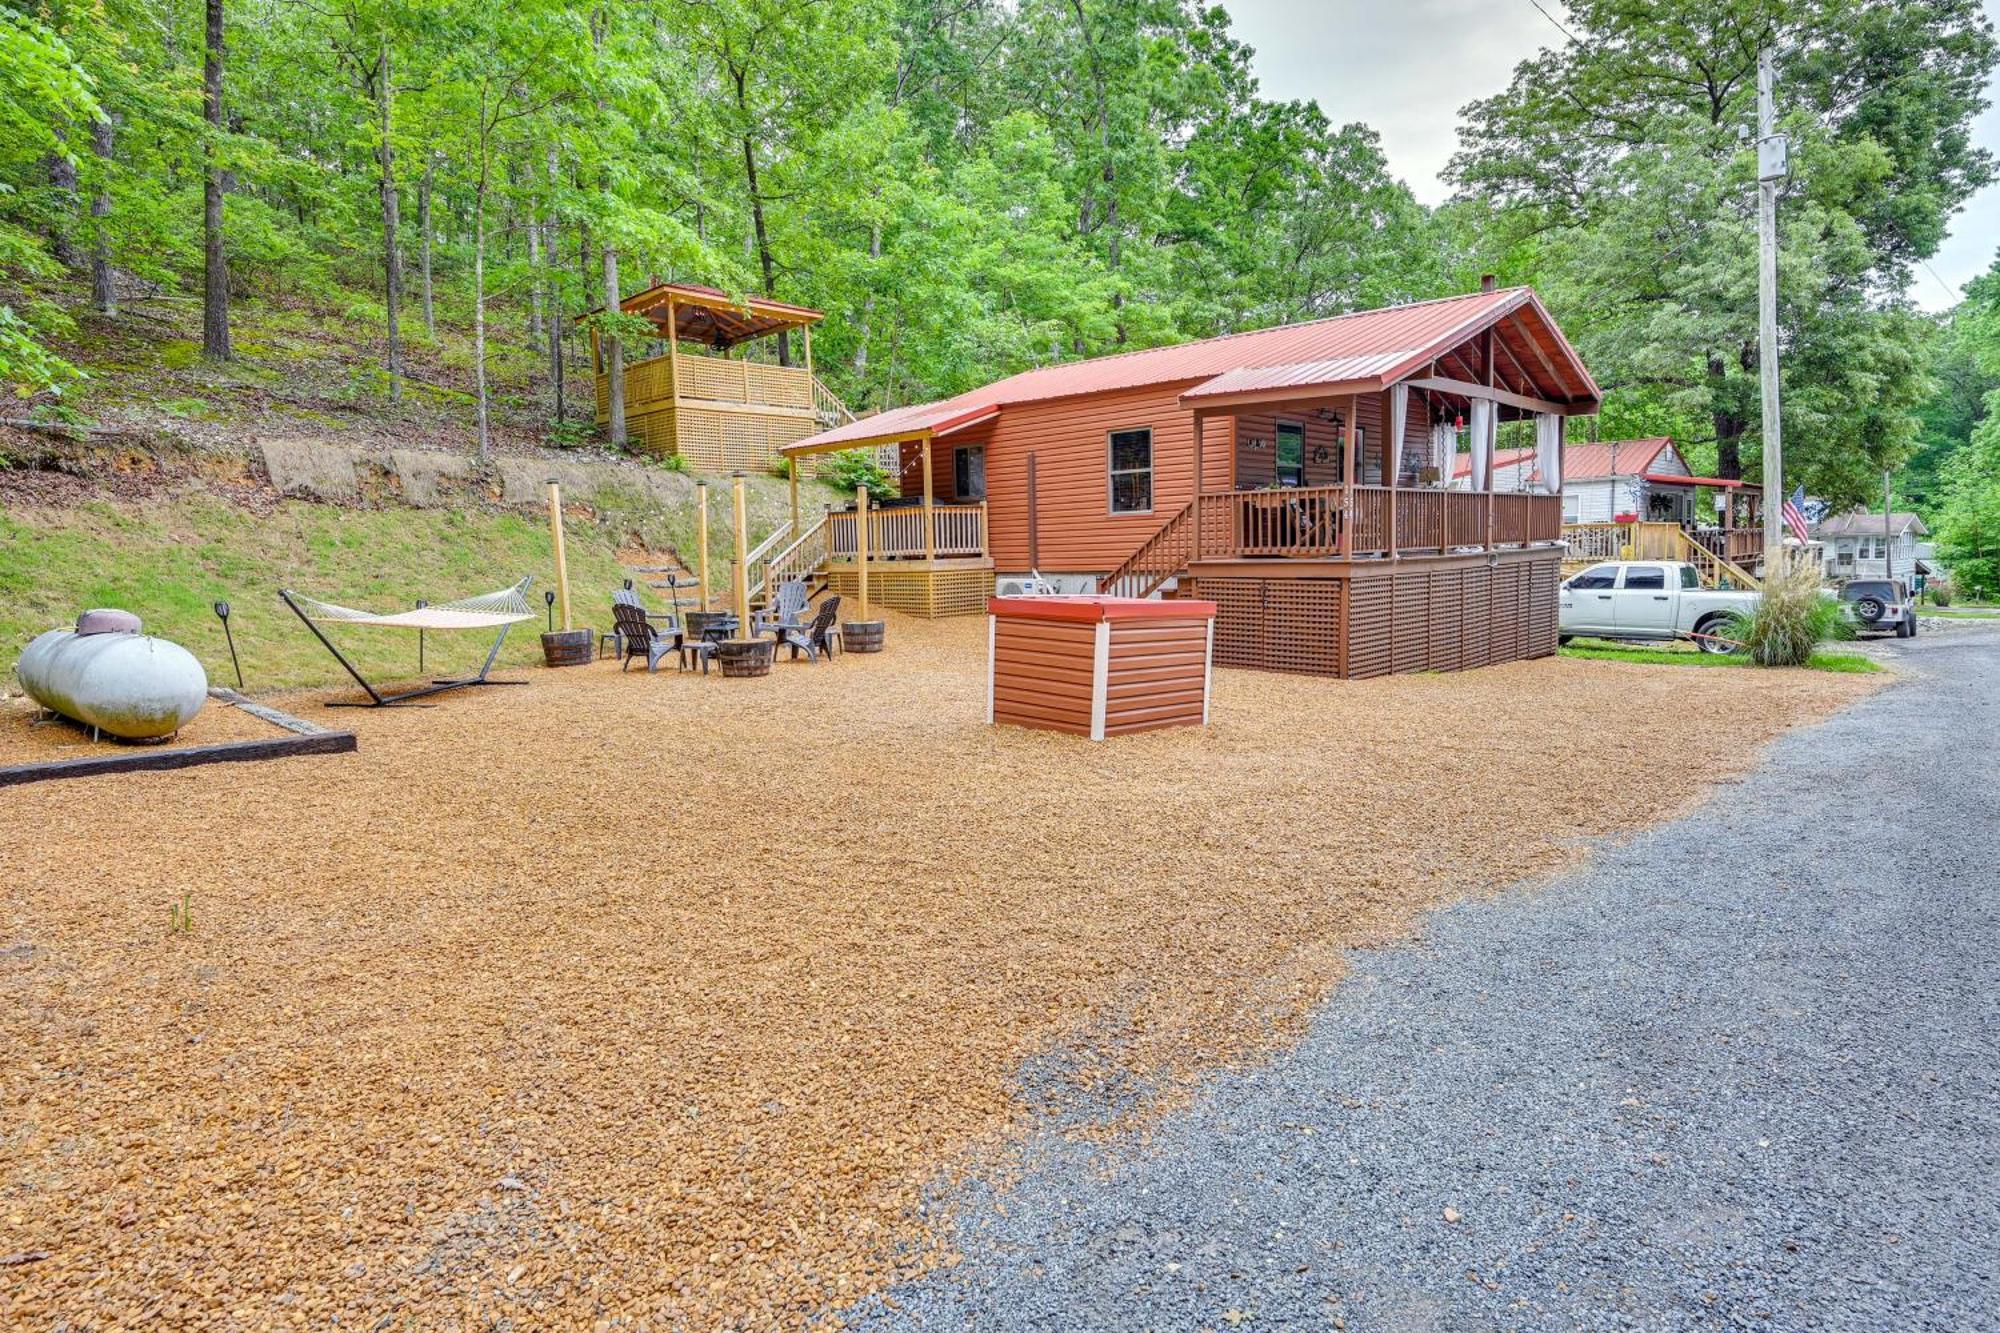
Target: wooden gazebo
(698, 390)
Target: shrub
(1940, 592)
(857, 467)
(1794, 615)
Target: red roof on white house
(1592, 462)
(1363, 350)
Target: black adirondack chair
(641, 637)
(819, 638)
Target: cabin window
(1132, 471)
(968, 468)
(1291, 454)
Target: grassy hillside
(169, 559)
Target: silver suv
(1880, 604)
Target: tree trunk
(424, 226)
(62, 179)
(479, 311)
(763, 237)
(1729, 427)
(549, 245)
(392, 261)
(614, 355)
(103, 295)
(215, 265)
(534, 276)
(867, 319)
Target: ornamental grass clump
(1794, 615)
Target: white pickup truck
(1649, 599)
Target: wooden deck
(720, 413)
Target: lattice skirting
(717, 440)
(920, 592)
(1445, 617)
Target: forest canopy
(969, 187)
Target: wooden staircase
(1162, 556)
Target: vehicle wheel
(1707, 633)
(1562, 640)
(1908, 629)
(1868, 609)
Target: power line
(1949, 290)
(1552, 18)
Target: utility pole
(1888, 533)
(1771, 164)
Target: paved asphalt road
(1743, 1071)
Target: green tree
(1622, 164)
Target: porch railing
(957, 530)
(1309, 521)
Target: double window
(1131, 458)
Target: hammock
(500, 610)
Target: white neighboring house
(1856, 543)
(1647, 479)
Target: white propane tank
(130, 685)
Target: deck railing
(957, 530)
(729, 381)
(1310, 521)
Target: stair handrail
(781, 563)
(1143, 572)
(827, 403)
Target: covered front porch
(922, 556)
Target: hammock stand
(500, 610)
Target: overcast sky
(1405, 67)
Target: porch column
(792, 472)
(1398, 417)
(1350, 463)
(739, 577)
(674, 370)
(860, 547)
(1200, 422)
(930, 537)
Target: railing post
(985, 538)
(930, 536)
(1194, 498)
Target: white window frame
(1111, 474)
(1572, 507)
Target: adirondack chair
(663, 622)
(822, 636)
(640, 637)
(787, 610)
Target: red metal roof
(1592, 462)
(1376, 345)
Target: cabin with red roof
(1299, 477)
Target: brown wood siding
(1069, 437)
(1158, 674)
(1258, 466)
(1447, 615)
(1042, 672)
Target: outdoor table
(1099, 666)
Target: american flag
(1795, 514)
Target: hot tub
(1098, 666)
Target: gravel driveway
(1740, 1071)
